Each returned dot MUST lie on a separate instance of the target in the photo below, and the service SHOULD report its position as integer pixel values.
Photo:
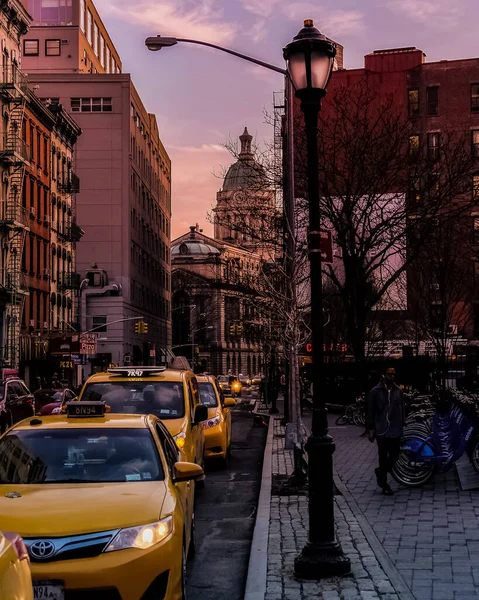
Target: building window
(99, 324)
(85, 57)
(82, 15)
(89, 26)
(95, 38)
(31, 47)
(432, 100)
(475, 142)
(433, 141)
(113, 65)
(52, 47)
(39, 149)
(413, 102)
(413, 145)
(91, 105)
(475, 97)
(476, 230)
(102, 50)
(45, 154)
(475, 186)
(108, 59)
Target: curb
(398, 583)
(258, 559)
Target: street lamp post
(310, 58)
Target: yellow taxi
(218, 426)
(104, 506)
(170, 394)
(15, 577)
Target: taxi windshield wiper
(73, 481)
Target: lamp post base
(318, 561)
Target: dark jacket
(385, 411)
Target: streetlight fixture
(310, 58)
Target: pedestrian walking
(385, 422)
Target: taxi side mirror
(229, 402)
(185, 471)
(201, 413)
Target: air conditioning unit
(45, 324)
(65, 42)
(435, 286)
(32, 210)
(46, 273)
(32, 322)
(452, 330)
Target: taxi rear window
(79, 456)
(207, 394)
(161, 398)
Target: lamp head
(310, 57)
(158, 42)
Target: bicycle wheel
(341, 420)
(409, 472)
(474, 456)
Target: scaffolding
(14, 156)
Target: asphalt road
(225, 516)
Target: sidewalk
(420, 544)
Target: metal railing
(71, 186)
(13, 147)
(12, 78)
(14, 281)
(68, 281)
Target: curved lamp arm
(157, 43)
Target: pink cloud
(201, 19)
(335, 22)
(438, 13)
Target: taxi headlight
(180, 440)
(142, 537)
(212, 422)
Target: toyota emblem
(42, 549)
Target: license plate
(48, 590)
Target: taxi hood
(175, 426)
(73, 509)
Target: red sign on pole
(326, 247)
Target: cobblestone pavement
(431, 534)
(288, 534)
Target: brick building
(14, 157)
(433, 97)
(124, 206)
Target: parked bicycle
(353, 414)
(436, 435)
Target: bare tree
(441, 287)
(384, 193)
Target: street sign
(88, 343)
(326, 247)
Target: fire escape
(14, 156)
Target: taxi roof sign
(85, 410)
(136, 371)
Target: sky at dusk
(202, 97)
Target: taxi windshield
(94, 455)
(207, 394)
(161, 398)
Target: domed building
(245, 204)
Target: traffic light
(141, 327)
(232, 330)
(239, 330)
